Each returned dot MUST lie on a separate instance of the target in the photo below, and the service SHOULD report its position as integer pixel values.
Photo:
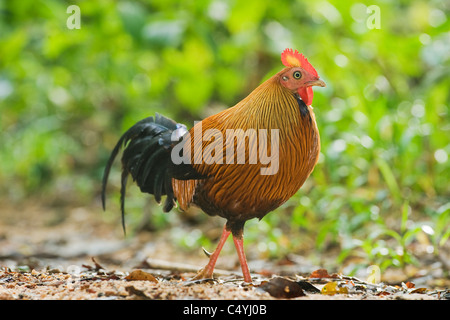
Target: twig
(181, 267)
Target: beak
(317, 82)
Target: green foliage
(67, 95)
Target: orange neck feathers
(269, 106)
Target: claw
(208, 254)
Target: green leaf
(389, 178)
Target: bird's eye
(297, 75)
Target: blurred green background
(382, 183)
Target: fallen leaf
(308, 287)
(282, 288)
(319, 273)
(140, 275)
(383, 293)
(330, 288)
(343, 290)
(409, 285)
(419, 290)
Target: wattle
(306, 94)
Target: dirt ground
(73, 254)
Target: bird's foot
(204, 273)
(200, 277)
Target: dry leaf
(419, 290)
(140, 275)
(319, 273)
(282, 288)
(343, 290)
(330, 288)
(308, 287)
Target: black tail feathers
(147, 157)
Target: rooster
(164, 158)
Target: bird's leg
(239, 244)
(207, 271)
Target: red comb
(291, 58)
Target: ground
(71, 253)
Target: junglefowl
(195, 166)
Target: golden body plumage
(239, 192)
